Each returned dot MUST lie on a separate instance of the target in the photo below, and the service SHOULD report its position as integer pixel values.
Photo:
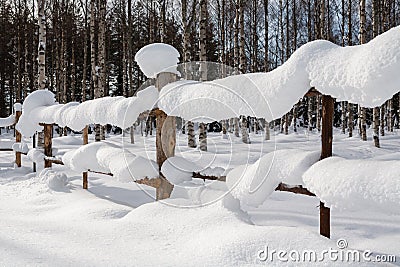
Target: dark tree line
(91, 45)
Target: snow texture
(356, 184)
(41, 107)
(109, 158)
(253, 183)
(366, 74)
(17, 107)
(56, 181)
(10, 120)
(178, 170)
(20, 147)
(36, 155)
(156, 58)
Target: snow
(10, 120)
(366, 74)
(17, 107)
(36, 155)
(178, 170)
(20, 147)
(110, 158)
(40, 107)
(252, 184)
(356, 184)
(201, 224)
(156, 58)
(55, 181)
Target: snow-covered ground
(48, 219)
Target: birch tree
(363, 124)
(203, 67)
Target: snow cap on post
(17, 107)
(157, 58)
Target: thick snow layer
(40, 107)
(178, 170)
(10, 120)
(17, 107)
(36, 155)
(156, 58)
(20, 147)
(109, 158)
(253, 183)
(356, 184)
(365, 74)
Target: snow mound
(55, 181)
(109, 158)
(156, 58)
(253, 183)
(356, 184)
(366, 74)
(40, 107)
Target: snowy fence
(18, 147)
(333, 71)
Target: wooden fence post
(85, 142)
(326, 151)
(165, 137)
(18, 138)
(48, 150)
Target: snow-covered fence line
(366, 74)
(40, 107)
(18, 147)
(108, 158)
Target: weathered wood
(85, 137)
(208, 177)
(312, 92)
(165, 137)
(48, 129)
(18, 138)
(297, 189)
(152, 182)
(85, 180)
(55, 161)
(326, 151)
(105, 173)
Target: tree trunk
(267, 131)
(363, 126)
(203, 66)
(236, 123)
(309, 113)
(191, 134)
(266, 44)
(344, 110)
(351, 123)
(242, 65)
(382, 124)
(245, 133)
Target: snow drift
(366, 74)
